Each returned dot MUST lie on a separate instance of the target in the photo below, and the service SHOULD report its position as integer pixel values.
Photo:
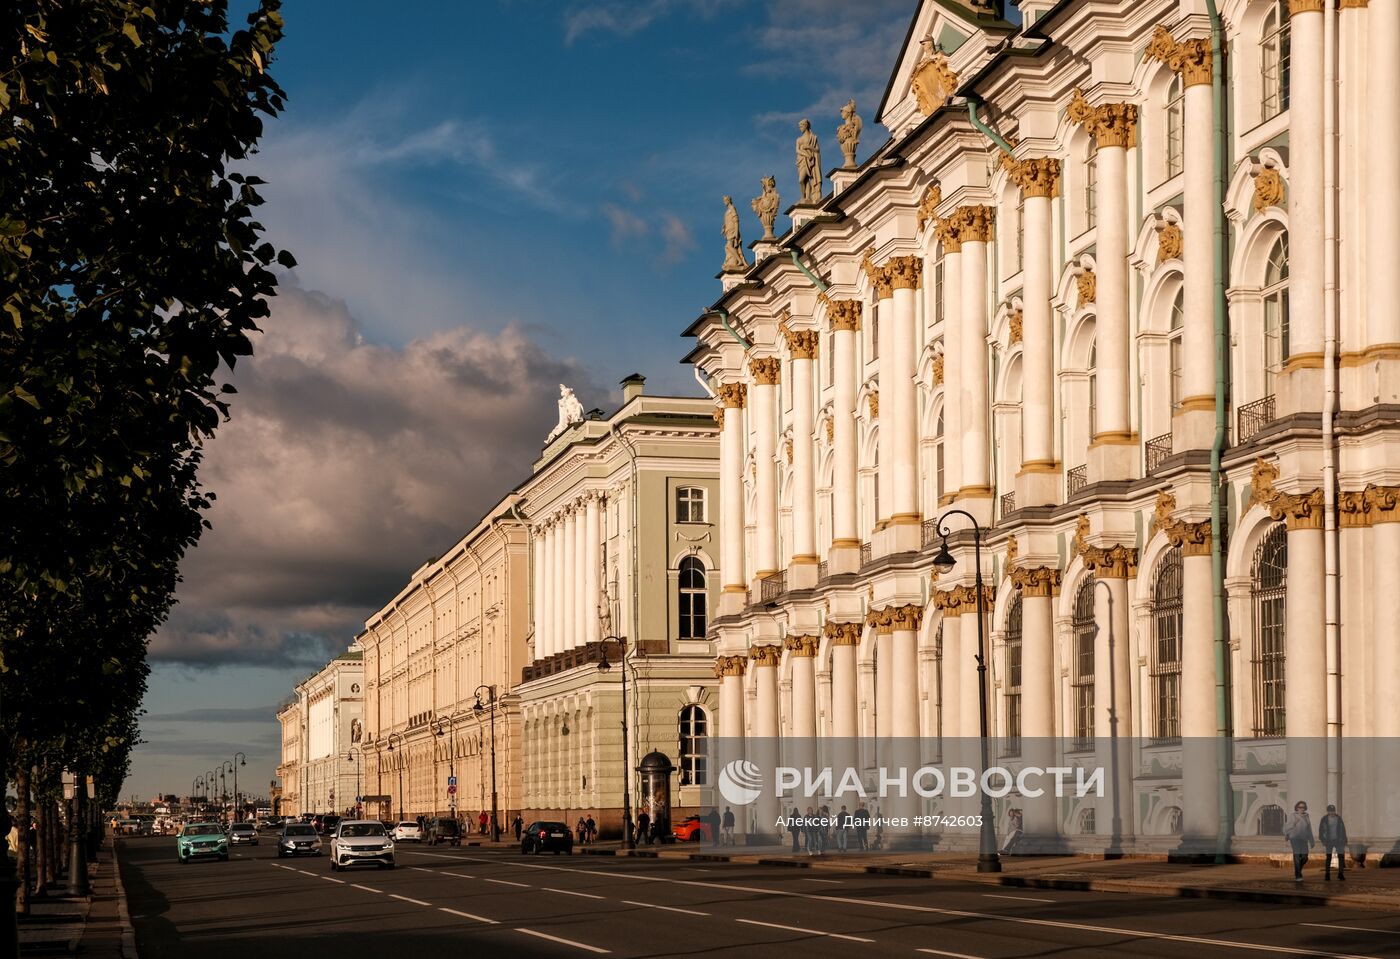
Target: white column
(1301, 386)
(884, 677)
(1193, 426)
(976, 230)
(1037, 482)
(949, 698)
(1381, 189)
(1305, 693)
(764, 741)
(802, 651)
(1201, 809)
(901, 399)
(541, 588)
(554, 558)
(1114, 453)
(965, 668)
(1113, 699)
(583, 606)
(904, 658)
(569, 572)
(884, 476)
(1385, 645)
(766, 374)
(843, 638)
(592, 559)
(952, 358)
(802, 344)
(731, 698)
(731, 493)
(845, 545)
(1038, 690)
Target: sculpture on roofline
(809, 165)
(766, 204)
(570, 412)
(734, 261)
(848, 133)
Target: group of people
(587, 830)
(820, 829)
(1331, 833)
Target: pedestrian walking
(1332, 833)
(843, 822)
(482, 820)
(517, 824)
(714, 821)
(644, 827)
(1014, 832)
(862, 822)
(1299, 833)
(591, 826)
(581, 830)
(809, 831)
(794, 827)
(728, 824)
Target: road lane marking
(1328, 925)
(333, 879)
(562, 940)
(421, 869)
(468, 915)
(652, 905)
(954, 913)
(809, 932)
(356, 885)
(459, 875)
(416, 902)
(834, 882)
(992, 895)
(305, 873)
(950, 955)
(570, 892)
(507, 882)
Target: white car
(361, 842)
(407, 832)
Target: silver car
(298, 839)
(361, 842)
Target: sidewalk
(96, 925)
(1373, 888)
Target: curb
(123, 914)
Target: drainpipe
(1330, 535)
(1217, 526)
(724, 318)
(974, 103)
(797, 261)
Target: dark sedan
(545, 836)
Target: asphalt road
(444, 901)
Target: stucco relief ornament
(765, 206)
(933, 81)
(1268, 189)
(809, 165)
(1088, 284)
(848, 133)
(928, 206)
(604, 613)
(357, 731)
(734, 261)
(1016, 322)
(570, 412)
(1169, 241)
(1080, 542)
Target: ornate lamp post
(399, 737)
(224, 770)
(353, 753)
(242, 760)
(987, 858)
(490, 704)
(603, 666)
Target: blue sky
(485, 198)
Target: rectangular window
(938, 291)
(1084, 688)
(690, 504)
(1013, 698)
(875, 331)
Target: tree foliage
(131, 272)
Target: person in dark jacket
(713, 821)
(794, 828)
(1299, 833)
(1332, 833)
(643, 828)
(518, 824)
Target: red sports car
(693, 829)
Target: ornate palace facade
(1031, 337)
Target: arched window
(831, 358)
(938, 289)
(938, 460)
(1275, 294)
(1091, 186)
(1178, 323)
(1012, 746)
(694, 729)
(1175, 122)
(1166, 648)
(693, 599)
(875, 486)
(690, 504)
(1271, 820)
(1093, 374)
(1273, 63)
(1085, 631)
(1269, 575)
(874, 329)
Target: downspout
(724, 318)
(974, 103)
(797, 261)
(1217, 525)
(1330, 544)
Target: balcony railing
(773, 587)
(930, 533)
(1158, 449)
(1077, 479)
(1008, 503)
(866, 554)
(1253, 417)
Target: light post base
(989, 863)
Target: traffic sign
(451, 789)
(451, 780)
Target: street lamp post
(987, 858)
(399, 737)
(242, 761)
(354, 753)
(210, 781)
(224, 770)
(490, 704)
(603, 666)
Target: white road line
(416, 902)
(468, 915)
(356, 885)
(1328, 925)
(938, 911)
(562, 940)
(507, 882)
(808, 932)
(950, 955)
(333, 879)
(459, 875)
(834, 882)
(992, 895)
(652, 905)
(421, 869)
(305, 873)
(570, 892)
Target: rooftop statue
(570, 412)
(734, 261)
(766, 206)
(848, 133)
(809, 165)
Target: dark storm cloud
(247, 714)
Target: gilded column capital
(975, 223)
(729, 666)
(1352, 512)
(1297, 510)
(766, 655)
(802, 645)
(1087, 282)
(879, 276)
(932, 197)
(733, 395)
(802, 344)
(843, 634)
(1353, 4)
(1383, 503)
(1190, 58)
(1111, 562)
(766, 370)
(1039, 581)
(1169, 242)
(879, 620)
(844, 315)
(1039, 176)
(1268, 189)
(947, 602)
(907, 617)
(938, 370)
(1110, 124)
(967, 596)
(946, 230)
(905, 272)
(1296, 7)
(1192, 538)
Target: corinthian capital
(946, 230)
(975, 224)
(1037, 177)
(905, 272)
(879, 276)
(733, 395)
(802, 344)
(729, 666)
(766, 370)
(1038, 581)
(843, 634)
(765, 655)
(801, 645)
(1190, 58)
(844, 315)
(1110, 124)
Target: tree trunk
(22, 863)
(41, 846)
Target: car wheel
(223, 858)
(281, 854)
(695, 837)
(392, 865)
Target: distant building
(289, 767)
(327, 716)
